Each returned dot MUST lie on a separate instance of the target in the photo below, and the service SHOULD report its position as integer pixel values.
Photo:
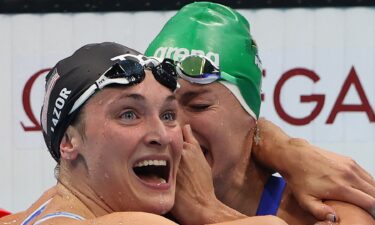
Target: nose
(157, 134)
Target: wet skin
(126, 129)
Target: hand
(196, 202)
(350, 214)
(314, 174)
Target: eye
(169, 116)
(198, 107)
(128, 115)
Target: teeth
(151, 163)
(163, 181)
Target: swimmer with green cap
(222, 35)
(217, 59)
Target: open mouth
(208, 155)
(153, 171)
(204, 150)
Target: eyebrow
(139, 97)
(171, 98)
(187, 96)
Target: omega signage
(318, 99)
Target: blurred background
(318, 59)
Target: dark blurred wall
(45, 6)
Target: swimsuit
(38, 211)
(271, 197)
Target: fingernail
(373, 212)
(331, 217)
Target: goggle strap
(83, 98)
(99, 84)
(103, 81)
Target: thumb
(318, 209)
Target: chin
(160, 206)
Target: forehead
(146, 90)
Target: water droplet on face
(163, 204)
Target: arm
(255, 220)
(334, 177)
(142, 218)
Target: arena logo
(179, 53)
(339, 106)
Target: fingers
(320, 210)
(365, 175)
(358, 197)
(365, 181)
(188, 135)
(353, 184)
(363, 191)
(354, 169)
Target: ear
(70, 143)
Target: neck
(246, 189)
(75, 188)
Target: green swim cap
(221, 34)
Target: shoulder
(133, 218)
(351, 214)
(13, 218)
(20, 216)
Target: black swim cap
(68, 79)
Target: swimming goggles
(129, 71)
(197, 69)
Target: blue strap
(38, 211)
(271, 197)
(59, 214)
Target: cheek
(109, 140)
(204, 123)
(227, 146)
